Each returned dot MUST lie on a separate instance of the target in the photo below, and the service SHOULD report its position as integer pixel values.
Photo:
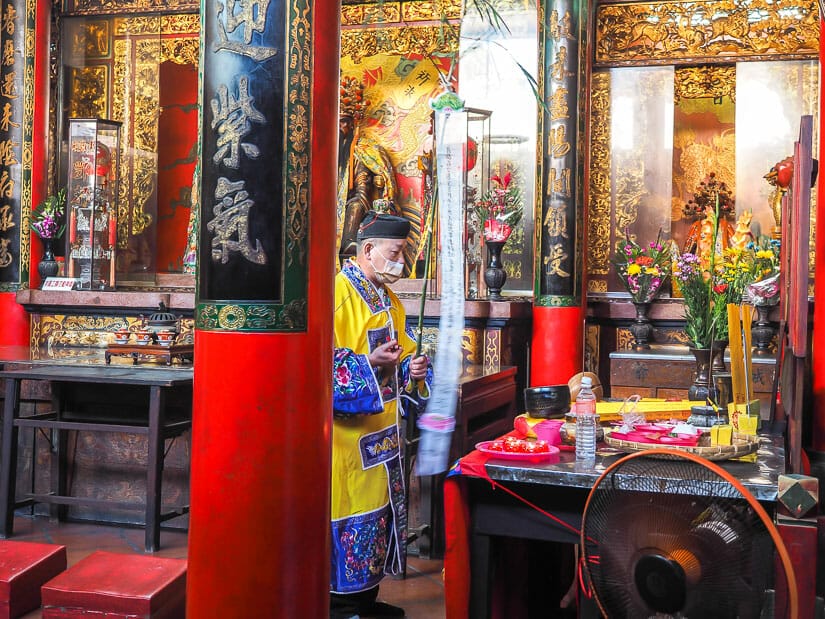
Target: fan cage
(676, 537)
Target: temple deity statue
(366, 178)
(700, 238)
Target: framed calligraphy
(14, 231)
(252, 273)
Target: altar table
(156, 402)
(488, 500)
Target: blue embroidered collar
(368, 292)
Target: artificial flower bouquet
(643, 270)
(500, 209)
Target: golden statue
(779, 176)
(742, 234)
(699, 240)
(365, 172)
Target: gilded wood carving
(706, 32)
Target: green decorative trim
(252, 316)
(9, 287)
(29, 49)
(557, 301)
(291, 314)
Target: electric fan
(667, 533)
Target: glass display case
(476, 183)
(92, 194)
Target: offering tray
(166, 353)
(742, 445)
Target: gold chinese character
(9, 15)
(8, 88)
(231, 119)
(5, 118)
(7, 155)
(557, 142)
(6, 218)
(554, 260)
(8, 53)
(6, 185)
(559, 29)
(555, 221)
(231, 220)
(558, 71)
(558, 182)
(558, 105)
(5, 255)
(252, 16)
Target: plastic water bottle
(586, 420)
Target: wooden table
(486, 408)
(156, 402)
(561, 489)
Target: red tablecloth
(506, 602)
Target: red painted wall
(259, 523)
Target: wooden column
(25, 164)
(818, 344)
(259, 529)
(558, 315)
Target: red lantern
(471, 154)
(784, 172)
(103, 160)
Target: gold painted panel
(492, 349)
(91, 40)
(429, 11)
(89, 88)
(715, 31)
(598, 221)
(471, 345)
(596, 285)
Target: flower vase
(48, 266)
(641, 328)
(762, 332)
(494, 274)
(699, 390)
(718, 363)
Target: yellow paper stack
(744, 410)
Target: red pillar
(557, 351)
(818, 344)
(259, 524)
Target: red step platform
(24, 567)
(118, 586)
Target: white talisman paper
(438, 422)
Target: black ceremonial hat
(377, 225)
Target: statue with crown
(366, 179)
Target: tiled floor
(421, 593)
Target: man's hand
(386, 355)
(418, 367)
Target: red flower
(343, 375)
(645, 261)
(720, 288)
(495, 230)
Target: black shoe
(381, 610)
(337, 614)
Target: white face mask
(391, 272)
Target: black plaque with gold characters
(558, 268)
(14, 231)
(254, 166)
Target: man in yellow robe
(376, 378)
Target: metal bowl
(550, 402)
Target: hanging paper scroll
(438, 422)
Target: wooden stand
(167, 353)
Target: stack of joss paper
(743, 411)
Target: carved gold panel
(591, 348)
(705, 32)
(438, 9)
(97, 7)
(707, 81)
(363, 14)
(598, 221)
(89, 88)
(423, 40)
